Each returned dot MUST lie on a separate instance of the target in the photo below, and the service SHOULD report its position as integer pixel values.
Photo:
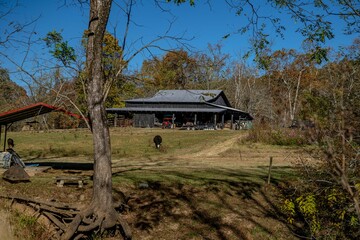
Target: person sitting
(11, 158)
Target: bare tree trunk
(101, 213)
(99, 14)
(101, 209)
(238, 87)
(293, 105)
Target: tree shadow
(209, 207)
(64, 165)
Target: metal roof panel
(30, 111)
(192, 96)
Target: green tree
(60, 48)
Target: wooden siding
(144, 120)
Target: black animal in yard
(157, 141)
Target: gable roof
(185, 96)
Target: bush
(322, 206)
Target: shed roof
(30, 111)
(193, 96)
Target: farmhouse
(195, 109)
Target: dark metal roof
(192, 96)
(148, 109)
(30, 111)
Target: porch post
(215, 121)
(115, 119)
(195, 119)
(232, 120)
(222, 121)
(5, 136)
(0, 132)
(173, 120)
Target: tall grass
(27, 227)
(279, 136)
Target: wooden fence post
(269, 173)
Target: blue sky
(205, 24)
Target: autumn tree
(11, 32)
(175, 70)
(333, 104)
(289, 74)
(11, 95)
(113, 62)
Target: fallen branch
(53, 219)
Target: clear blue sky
(206, 24)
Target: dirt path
(215, 150)
(231, 153)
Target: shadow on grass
(209, 204)
(65, 165)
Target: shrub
(324, 209)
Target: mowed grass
(125, 142)
(45, 144)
